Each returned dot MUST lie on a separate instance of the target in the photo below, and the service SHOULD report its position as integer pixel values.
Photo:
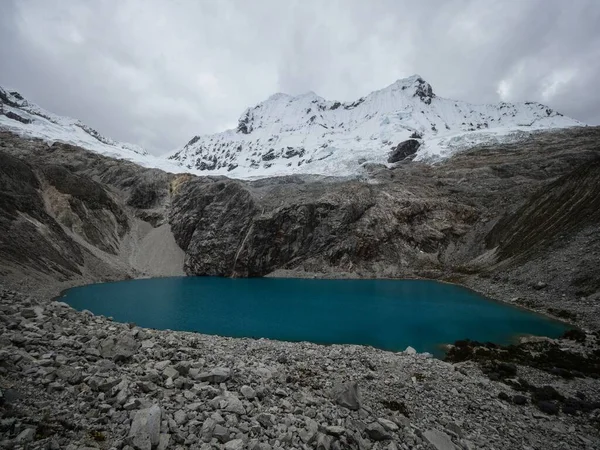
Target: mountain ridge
(306, 133)
(20, 116)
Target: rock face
(74, 215)
(403, 150)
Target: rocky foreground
(72, 380)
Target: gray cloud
(158, 72)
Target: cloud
(159, 72)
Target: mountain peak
(307, 134)
(414, 85)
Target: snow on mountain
(28, 119)
(308, 134)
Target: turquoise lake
(387, 314)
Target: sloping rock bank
(71, 380)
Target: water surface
(388, 314)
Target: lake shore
(73, 380)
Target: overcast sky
(156, 73)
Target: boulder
(119, 348)
(145, 428)
(347, 395)
(377, 433)
(439, 440)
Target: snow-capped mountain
(308, 134)
(23, 117)
(30, 120)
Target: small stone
(69, 374)
(235, 405)
(170, 372)
(28, 313)
(221, 433)
(248, 392)
(388, 424)
(180, 417)
(235, 444)
(335, 430)
(216, 375)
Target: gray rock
(335, 430)
(235, 405)
(183, 367)
(347, 395)
(216, 375)
(69, 374)
(439, 440)
(248, 392)
(377, 433)
(145, 428)
(119, 348)
(454, 428)
(163, 441)
(207, 430)
(27, 435)
(387, 424)
(323, 441)
(235, 444)
(170, 372)
(266, 420)
(28, 313)
(180, 417)
(221, 433)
